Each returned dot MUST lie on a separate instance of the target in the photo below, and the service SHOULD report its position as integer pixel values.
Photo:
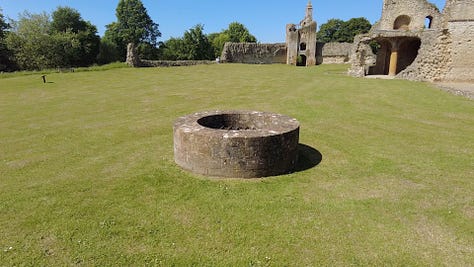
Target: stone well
(236, 144)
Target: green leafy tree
(197, 44)
(5, 54)
(336, 30)
(218, 41)
(353, 27)
(134, 25)
(193, 46)
(112, 40)
(175, 49)
(66, 18)
(329, 31)
(32, 45)
(238, 33)
(78, 37)
(109, 52)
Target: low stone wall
(170, 63)
(254, 53)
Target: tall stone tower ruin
(301, 40)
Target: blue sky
(266, 19)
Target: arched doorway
(407, 52)
(301, 62)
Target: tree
(66, 18)
(31, 44)
(353, 27)
(238, 33)
(134, 25)
(193, 46)
(328, 32)
(78, 37)
(336, 30)
(197, 44)
(113, 40)
(5, 53)
(108, 53)
(175, 49)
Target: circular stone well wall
(238, 144)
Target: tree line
(64, 39)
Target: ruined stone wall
(335, 53)
(433, 60)
(462, 56)
(174, 63)
(459, 21)
(458, 10)
(417, 10)
(254, 53)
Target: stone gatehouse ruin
(415, 41)
(301, 40)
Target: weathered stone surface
(132, 56)
(253, 53)
(301, 40)
(236, 144)
(417, 42)
(174, 63)
(335, 53)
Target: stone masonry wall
(335, 53)
(433, 60)
(462, 67)
(417, 10)
(254, 53)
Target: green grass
(116, 65)
(87, 175)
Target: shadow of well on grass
(308, 157)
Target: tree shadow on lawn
(308, 157)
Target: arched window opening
(303, 47)
(428, 22)
(402, 23)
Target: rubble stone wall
(335, 53)
(254, 53)
(417, 10)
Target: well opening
(234, 122)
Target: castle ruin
(301, 40)
(416, 41)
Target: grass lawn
(87, 175)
